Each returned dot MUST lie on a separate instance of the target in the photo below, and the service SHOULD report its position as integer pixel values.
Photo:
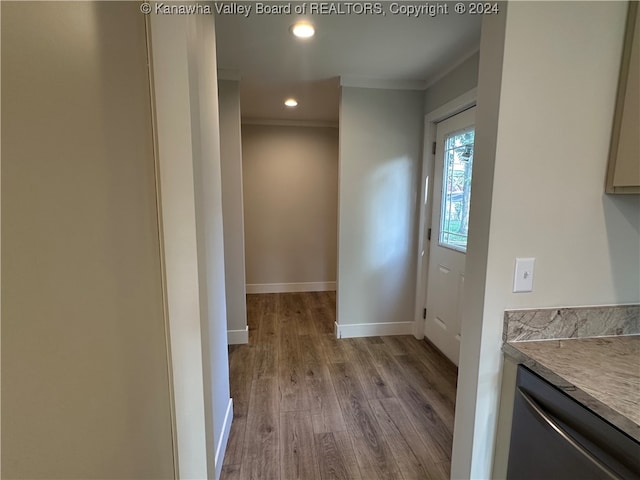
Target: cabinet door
(623, 174)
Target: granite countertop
(602, 373)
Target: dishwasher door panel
(555, 437)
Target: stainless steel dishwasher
(555, 437)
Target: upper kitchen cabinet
(623, 173)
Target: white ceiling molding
(275, 122)
(361, 82)
(228, 74)
(446, 71)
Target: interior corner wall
(460, 80)
(559, 78)
(380, 156)
(232, 209)
(290, 176)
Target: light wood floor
(309, 406)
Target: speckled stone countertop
(602, 373)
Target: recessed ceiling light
(303, 30)
(291, 102)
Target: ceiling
(384, 49)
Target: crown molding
(446, 71)
(362, 82)
(278, 122)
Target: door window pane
(456, 189)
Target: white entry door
(449, 227)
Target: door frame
(431, 119)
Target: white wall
(232, 209)
(85, 387)
(380, 157)
(189, 162)
(559, 78)
(290, 179)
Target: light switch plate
(523, 276)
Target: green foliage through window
(456, 189)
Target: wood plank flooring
(309, 406)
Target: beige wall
(290, 203)
(380, 156)
(85, 388)
(232, 209)
(551, 143)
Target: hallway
(309, 406)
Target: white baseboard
(238, 337)
(418, 328)
(290, 287)
(224, 438)
(373, 329)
